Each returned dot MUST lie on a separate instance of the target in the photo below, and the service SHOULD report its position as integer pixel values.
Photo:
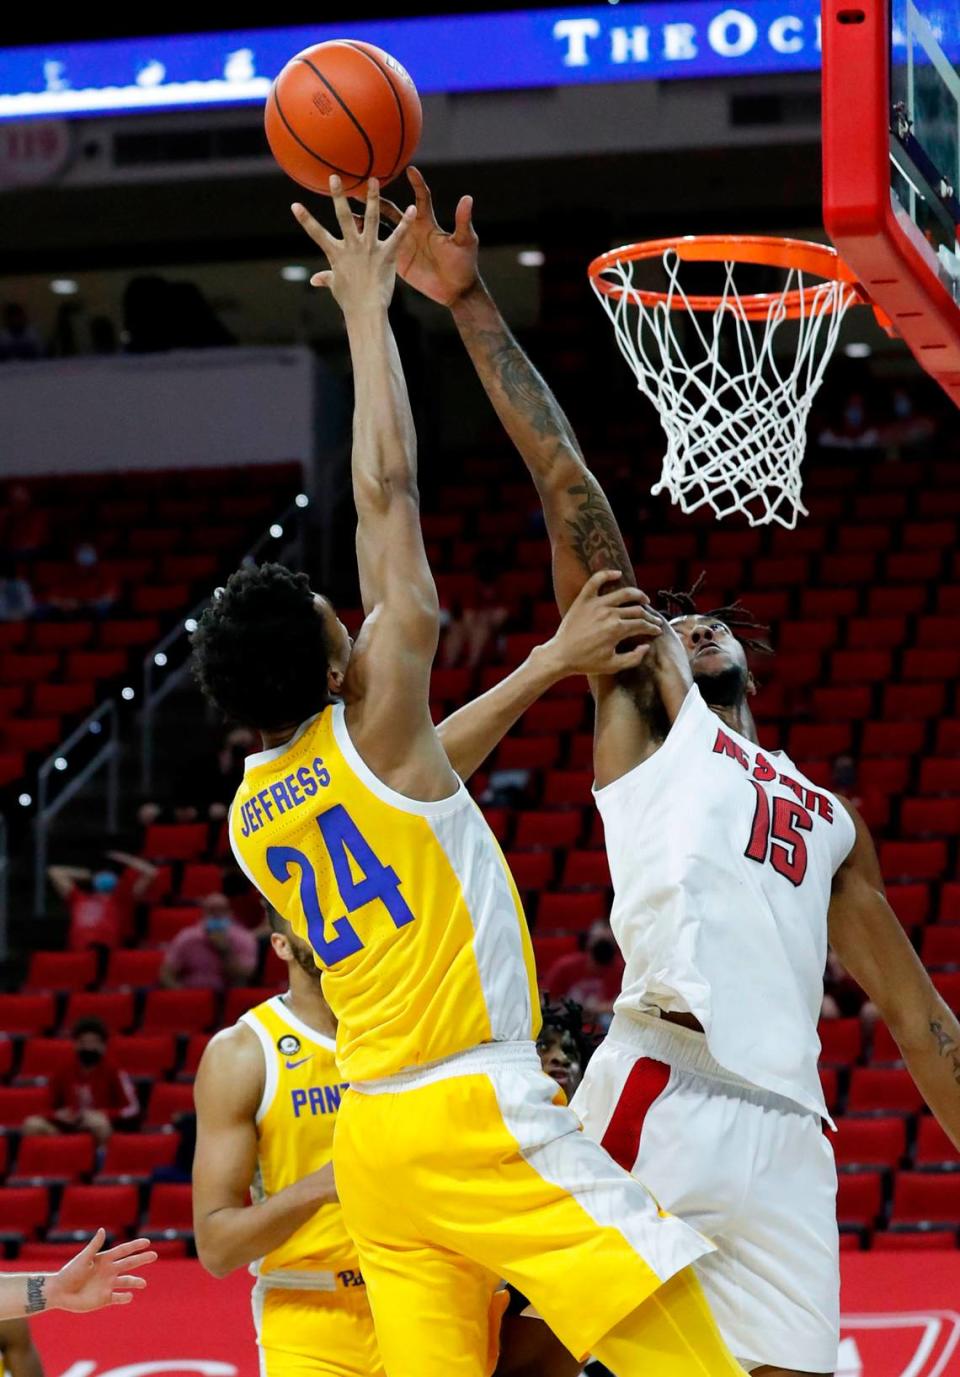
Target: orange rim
(819, 260)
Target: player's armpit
(868, 938)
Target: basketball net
(733, 406)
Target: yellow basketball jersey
(410, 907)
(295, 1121)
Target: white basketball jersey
(722, 857)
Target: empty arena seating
(864, 608)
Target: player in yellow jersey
(455, 1166)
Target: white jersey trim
(275, 752)
(424, 808)
(297, 1025)
(271, 1075)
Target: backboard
(891, 165)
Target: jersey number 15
(343, 840)
(777, 837)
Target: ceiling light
(64, 286)
(294, 272)
(530, 258)
(857, 350)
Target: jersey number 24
(343, 840)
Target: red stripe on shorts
(647, 1080)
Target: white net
(732, 400)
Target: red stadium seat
(196, 1046)
(95, 664)
(170, 1211)
(12, 634)
(133, 969)
(848, 571)
(580, 756)
(724, 544)
(814, 742)
(27, 1013)
(200, 879)
(61, 970)
(939, 776)
(24, 1211)
(911, 902)
(168, 1098)
(528, 753)
(28, 669)
(12, 696)
(176, 841)
(941, 946)
(144, 1054)
(859, 1198)
(571, 912)
(906, 600)
(547, 950)
(241, 998)
(842, 704)
(864, 539)
(548, 829)
(936, 665)
(117, 634)
(20, 1102)
(840, 1040)
(948, 736)
(885, 1049)
(870, 1142)
(586, 869)
(949, 911)
(935, 632)
(947, 984)
(62, 700)
(177, 1011)
(881, 1088)
(930, 817)
(7, 1047)
(83, 1209)
(929, 535)
(860, 666)
(554, 717)
(565, 788)
(531, 869)
(807, 635)
(787, 572)
(12, 766)
(499, 820)
(827, 602)
(922, 1197)
(45, 1057)
(876, 633)
(115, 1009)
(61, 635)
(913, 701)
(31, 733)
(933, 1147)
(135, 1156)
(884, 776)
(922, 860)
(921, 567)
(166, 921)
(274, 970)
(58, 1158)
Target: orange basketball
(343, 108)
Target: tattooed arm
(867, 936)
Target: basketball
(346, 109)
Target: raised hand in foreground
(89, 1281)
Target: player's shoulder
(233, 1051)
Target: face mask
(217, 924)
(105, 882)
(853, 415)
(86, 556)
(89, 1056)
(902, 406)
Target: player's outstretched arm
(399, 639)
(230, 1232)
(868, 938)
(584, 534)
(585, 643)
(95, 1278)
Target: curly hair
(737, 617)
(566, 1016)
(260, 652)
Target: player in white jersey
(729, 869)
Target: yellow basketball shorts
(460, 1173)
(315, 1333)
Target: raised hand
(94, 1279)
(440, 265)
(363, 267)
(597, 623)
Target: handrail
(47, 809)
(157, 687)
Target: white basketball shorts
(749, 1169)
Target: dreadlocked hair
(260, 652)
(566, 1016)
(738, 618)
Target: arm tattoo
(594, 534)
(36, 1300)
(947, 1047)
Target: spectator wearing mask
(213, 954)
(16, 596)
(101, 902)
(88, 589)
(91, 1096)
(592, 976)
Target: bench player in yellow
(455, 1166)
(268, 1093)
